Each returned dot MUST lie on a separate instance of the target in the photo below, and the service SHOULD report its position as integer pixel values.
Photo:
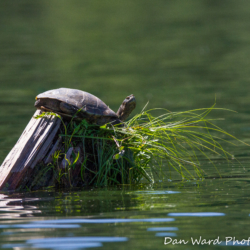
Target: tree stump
(45, 156)
(31, 148)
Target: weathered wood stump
(43, 157)
(31, 148)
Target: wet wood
(30, 149)
(56, 147)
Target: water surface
(176, 55)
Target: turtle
(82, 105)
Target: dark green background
(177, 55)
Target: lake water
(177, 55)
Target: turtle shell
(89, 103)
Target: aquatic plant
(146, 146)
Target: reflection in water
(67, 243)
(155, 192)
(26, 232)
(162, 229)
(41, 225)
(74, 242)
(201, 214)
(165, 234)
(107, 220)
(148, 216)
(11, 208)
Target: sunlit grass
(174, 140)
(146, 146)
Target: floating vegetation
(110, 155)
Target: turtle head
(127, 106)
(38, 103)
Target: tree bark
(32, 146)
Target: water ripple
(157, 192)
(165, 234)
(199, 214)
(66, 242)
(162, 229)
(104, 220)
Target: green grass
(174, 140)
(146, 146)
